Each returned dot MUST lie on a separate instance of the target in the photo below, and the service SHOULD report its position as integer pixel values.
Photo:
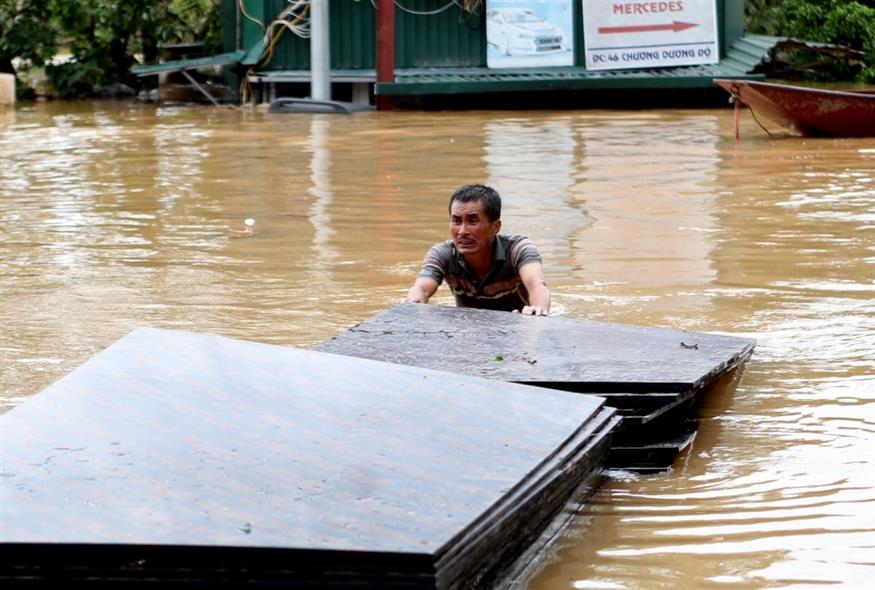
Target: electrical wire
(249, 16)
(424, 12)
(299, 25)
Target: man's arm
(422, 290)
(532, 275)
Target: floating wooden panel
(169, 443)
(554, 351)
(651, 375)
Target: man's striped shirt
(501, 288)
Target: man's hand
(421, 291)
(532, 276)
(531, 310)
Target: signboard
(622, 34)
(529, 33)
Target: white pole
(320, 51)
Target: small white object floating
(247, 231)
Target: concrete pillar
(7, 89)
(361, 93)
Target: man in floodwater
(482, 267)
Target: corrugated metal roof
(740, 61)
(189, 64)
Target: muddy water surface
(117, 215)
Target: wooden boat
(808, 111)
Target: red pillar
(385, 49)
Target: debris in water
(247, 231)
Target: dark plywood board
(64, 566)
(489, 548)
(553, 351)
(177, 439)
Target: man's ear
(496, 226)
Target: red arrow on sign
(675, 26)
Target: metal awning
(739, 63)
(184, 65)
(476, 80)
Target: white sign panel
(622, 34)
(529, 33)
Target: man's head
(479, 192)
(475, 220)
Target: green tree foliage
(103, 37)
(850, 23)
(24, 35)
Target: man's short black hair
(479, 192)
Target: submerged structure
(386, 50)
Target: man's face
(471, 229)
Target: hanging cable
(735, 98)
(424, 12)
(249, 16)
(469, 6)
(295, 18)
(754, 115)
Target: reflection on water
(117, 215)
(533, 165)
(324, 254)
(654, 197)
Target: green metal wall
(352, 30)
(353, 34)
(229, 26)
(731, 25)
(447, 39)
(452, 38)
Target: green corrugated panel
(352, 29)
(251, 31)
(745, 54)
(290, 52)
(752, 49)
(732, 28)
(764, 42)
(229, 26)
(451, 38)
(180, 65)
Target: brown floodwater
(116, 215)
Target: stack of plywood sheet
(189, 459)
(651, 375)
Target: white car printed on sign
(520, 30)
